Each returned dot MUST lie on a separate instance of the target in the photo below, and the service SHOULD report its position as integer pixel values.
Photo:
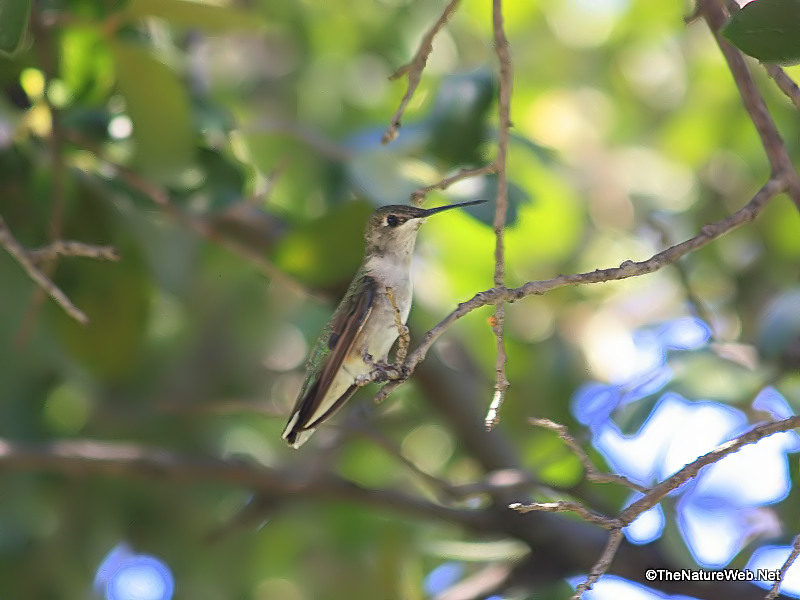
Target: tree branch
(78, 249)
(775, 590)
(653, 496)
(464, 173)
(658, 492)
(716, 17)
(413, 70)
(118, 459)
(568, 506)
(501, 208)
(602, 565)
(563, 546)
(18, 252)
(784, 83)
(627, 269)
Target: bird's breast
(394, 274)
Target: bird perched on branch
(367, 322)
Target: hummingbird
(364, 326)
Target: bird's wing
(344, 328)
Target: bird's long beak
(426, 212)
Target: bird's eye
(393, 220)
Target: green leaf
(195, 14)
(86, 67)
(14, 15)
(115, 297)
(159, 108)
(768, 30)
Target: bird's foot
(381, 371)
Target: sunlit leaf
(87, 68)
(158, 104)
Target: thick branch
(560, 546)
(89, 457)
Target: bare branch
(568, 506)
(16, 250)
(776, 587)
(784, 83)
(657, 493)
(627, 269)
(79, 249)
(716, 17)
(501, 208)
(592, 474)
(81, 457)
(465, 173)
(569, 545)
(602, 565)
(413, 70)
(47, 50)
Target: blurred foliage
(262, 121)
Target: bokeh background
(231, 153)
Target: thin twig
(15, 249)
(413, 70)
(658, 492)
(48, 54)
(77, 249)
(568, 506)
(465, 173)
(501, 208)
(782, 80)
(776, 587)
(696, 303)
(602, 565)
(716, 17)
(784, 83)
(592, 474)
(627, 269)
